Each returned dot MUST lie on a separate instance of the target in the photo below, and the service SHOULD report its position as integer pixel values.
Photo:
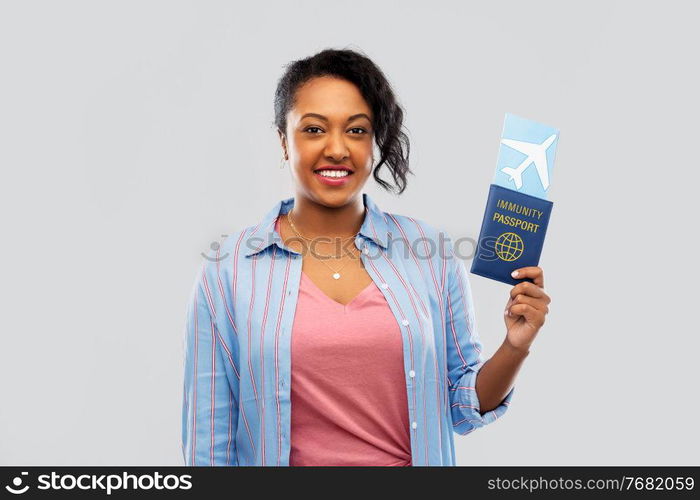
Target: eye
(359, 128)
(310, 128)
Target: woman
(333, 333)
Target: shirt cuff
(465, 407)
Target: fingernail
(514, 274)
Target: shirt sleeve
(464, 351)
(209, 402)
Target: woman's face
(330, 125)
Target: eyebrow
(321, 117)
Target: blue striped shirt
(236, 395)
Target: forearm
(497, 375)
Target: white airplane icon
(536, 153)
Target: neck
(313, 220)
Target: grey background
(134, 134)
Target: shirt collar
(374, 227)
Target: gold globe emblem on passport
(509, 246)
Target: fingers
(529, 289)
(531, 314)
(538, 304)
(533, 272)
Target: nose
(336, 148)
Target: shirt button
(404, 322)
(411, 374)
(414, 425)
(366, 250)
(385, 286)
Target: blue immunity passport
(517, 209)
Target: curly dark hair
(358, 69)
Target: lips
(331, 181)
(334, 167)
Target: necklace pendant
(336, 275)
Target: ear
(283, 142)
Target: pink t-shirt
(348, 391)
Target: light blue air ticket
(526, 156)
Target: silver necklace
(336, 273)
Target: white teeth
(333, 173)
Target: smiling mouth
(333, 174)
(332, 178)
